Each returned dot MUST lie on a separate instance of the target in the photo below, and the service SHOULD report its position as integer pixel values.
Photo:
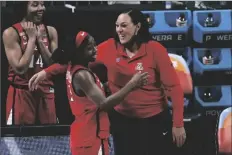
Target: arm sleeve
(55, 69)
(102, 50)
(171, 83)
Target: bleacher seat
(213, 96)
(165, 30)
(222, 60)
(220, 34)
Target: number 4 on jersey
(38, 62)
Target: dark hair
(68, 52)
(77, 54)
(20, 9)
(138, 17)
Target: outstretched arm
(84, 80)
(47, 73)
(55, 69)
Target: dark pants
(142, 136)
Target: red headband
(80, 37)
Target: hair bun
(60, 56)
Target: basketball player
(28, 46)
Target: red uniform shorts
(25, 107)
(99, 147)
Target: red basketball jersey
(90, 123)
(36, 64)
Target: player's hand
(36, 79)
(139, 79)
(178, 136)
(41, 31)
(30, 29)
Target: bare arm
(19, 62)
(45, 52)
(84, 80)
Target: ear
(138, 26)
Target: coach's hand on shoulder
(36, 79)
(139, 79)
(179, 136)
(30, 29)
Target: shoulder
(52, 31)
(79, 71)
(10, 34)
(156, 45)
(156, 48)
(81, 74)
(104, 49)
(83, 77)
(106, 44)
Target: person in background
(90, 130)
(29, 45)
(224, 132)
(211, 5)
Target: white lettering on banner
(228, 72)
(162, 37)
(179, 37)
(213, 112)
(225, 37)
(208, 37)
